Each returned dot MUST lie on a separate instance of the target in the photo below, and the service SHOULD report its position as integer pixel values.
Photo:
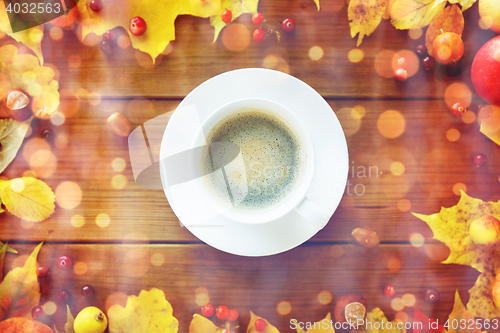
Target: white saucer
(330, 147)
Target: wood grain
(252, 284)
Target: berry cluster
(43, 272)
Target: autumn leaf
(24, 72)
(376, 322)
(466, 4)
(413, 14)
(423, 324)
(28, 198)
(20, 291)
(365, 16)
(31, 38)
(11, 137)
(3, 250)
(451, 226)
(200, 324)
(491, 126)
(460, 314)
(237, 7)
(149, 312)
(251, 325)
(323, 326)
(450, 19)
(68, 327)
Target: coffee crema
(272, 154)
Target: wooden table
(142, 224)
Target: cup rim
(298, 193)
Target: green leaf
(20, 291)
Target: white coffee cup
(296, 200)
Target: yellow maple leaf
(365, 16)
(376, 322)
(200, 324)
(461, 315)
(450, 19)
(466, 4)
(19, 290)
(323, 326)
(491, 126)
(413, 14)
(251, 325)
(23, 71)
(237, 7)
(27, 198)
(451, 226)
(149, 312)
(32, 38)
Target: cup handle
(312, 213)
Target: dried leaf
(70, 321)
(451, 226)
(491, 126)
(387, 13)
(11, 137)
(24, 72)
(450, 19)
(413, 14)
(460, 314)
(322, 326)
(377, 319)
(466, 4)
(200, 324)
(20, 291)
(317, 3)
(28, 198)
(365, 16)
(251, 325)
(237, 7)
(31, 38)
(149, 312)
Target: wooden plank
(251, 284)
(432, 166)
(194, 58)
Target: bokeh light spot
(325, 297)
(116, 298)
(56, 33)
(68, 195)
(157, 259)
(49, 308)
(94, 99)
(402, 316)
(135, 263)
(61, 141)
(355, 55)
(452, 135)
(316, 53)
(394, 264)
(469, 117)
(397, 168)
(236, 37)
(336, 251)
(404, 205)
(407, 60)
(283, 308)
(391, 124)
(119, 182)
(29, 173)
(123, 41)
(202, 296)
(17, 185)
(102, 220)
(80, 268)
(416, 239)
(409, 300)
(27, 224)
(57, 118)
(168, 49)
(383, 63)
(415, 33)
(77, 221)
(459, 187)
(358, 112)
(118, 164)
(489, 118)
(349, 123)
(397, 304)
(458, 93)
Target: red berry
(257, 18)
(457, 109)
(421, 50)
(288, 25)
(431, 295)
(63, 296)
(137, 26)
(42, 271)
(37, 313)
(428, 63)
(260, 325)
(233, 315)
(226, 16)
(88, 291)
(109, 35)
(389, 291)
(65, 262)
(96, 5)
(106, 46)
(222, 312)
(480, 160)
(401, 74)
(258, 35)
(208, 310)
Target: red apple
(485, 72)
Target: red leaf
(428, 325)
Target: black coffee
(272, 158)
